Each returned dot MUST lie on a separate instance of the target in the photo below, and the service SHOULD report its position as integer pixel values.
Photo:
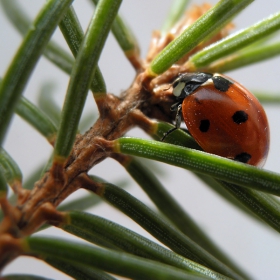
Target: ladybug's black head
(187, 83)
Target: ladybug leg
(178, 119)
(175, 106)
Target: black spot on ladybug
(240, 117)
(204, 125)
(243, 157)
(221, 83)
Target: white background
(255, 247)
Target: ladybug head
(187, 83)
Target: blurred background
(254, 247)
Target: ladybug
(222, 116)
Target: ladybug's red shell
(227, 120)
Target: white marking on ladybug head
(178, 89)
